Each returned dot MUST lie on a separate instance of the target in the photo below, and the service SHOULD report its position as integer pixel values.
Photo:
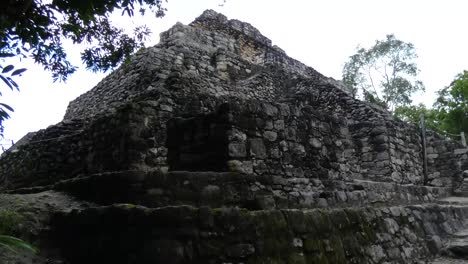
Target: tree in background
(452, 105)
(412, 114)
(36, 29)
(449, 115)
(385, 74)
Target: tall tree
(452, 105)
(385, 74)
(36, 29)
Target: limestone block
(257, 148)
(237, 150)
(315, 142)
(435, 243)
(297, 149)
(269, 109)
(279, 124)
(240, 166)
(270, 135)
(460, 151)
(392, 225)
(376, 253)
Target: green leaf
(19, 71)
(7, 82)
(6, 54)
(7, 107)
(13, 83)
(12, 242)
(8, 68)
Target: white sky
(319, 33)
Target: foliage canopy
(384, 74)
(412, 114)
(452, 105)
(449, 114)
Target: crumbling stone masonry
(244, 144)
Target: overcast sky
(321, 34)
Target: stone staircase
(463, 190)
(214, 217)
(453, 247)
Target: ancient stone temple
(216, 147)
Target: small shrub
(10, 222)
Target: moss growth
(340, 219)
(337, 254)
(296, 258)
(313, 245)
(271, 222)
(276, 247)
(317, 259)
(19, 200)
(267, 260)
(321, 221)
(275, 236)
(353, 216)
(353, 249)
(404, 220)
(368, 232)
(10, 222)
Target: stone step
(461, 234)
(158, 188)
(188, 234)
(445, 260)
(457, 248)
(463, 193)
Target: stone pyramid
(214, 146)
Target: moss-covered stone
(296, 221)
(10, 222)
(265, 260)
(353, 216)
(312, 245)
(336, 252)
(340, 219)
(321, 221)
(318, 258)
(352, 248)
(296, 258)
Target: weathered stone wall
(284, 121)
(214, 60)
(447, 160)
(109, 143)
(187, 234)
(229, 52)
(46, 155)
(386, 149)
(311, 157)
